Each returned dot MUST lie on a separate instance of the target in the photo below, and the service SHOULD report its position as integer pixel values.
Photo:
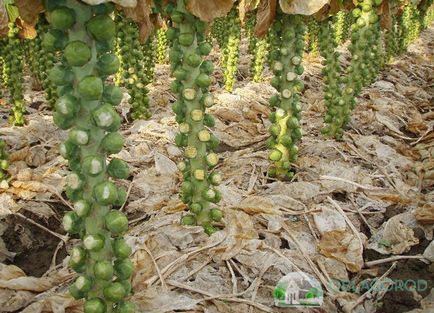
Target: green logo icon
(298, 289)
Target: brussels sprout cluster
(250, 33)
(4, 163)
(134, 73)
(342, 26)
(43, 60)
(312, 35)
(287, 67)
(14, 61)
(391, 39)
(366, 59)
(331, 71)
(4, 73)
(85, 35)
(426, 13)
(161, 45)
(219, 31)
(149, 59)
(230, 53)
(259, 59)
(191, 84)
(410, 25)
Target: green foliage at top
(84, 36)
(191, 84)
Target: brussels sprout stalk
(15, 62)
(231, 50)
(4, 163)
(191, 84)
(365, 63)
(287, 67)
(87, 34)
(135, 64)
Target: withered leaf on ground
(124, 3)
(342, 246)
(210, 9)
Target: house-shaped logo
(298, 289)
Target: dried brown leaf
(265, 16)
(141, 14)
(303, 7)
(29, 11)
(425, 214)
(342, 246)
(210, 9)
(245, 6)
(4, 20)
(27, 31)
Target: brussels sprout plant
(191, 84)
(4, 163)
(85, 35)
(133, 73)
(285, 130)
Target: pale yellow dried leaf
(342, 246)
(29, 10)
(55, 303)
(256, 205)
(400, 236)
(14, 301)
(302, 7)
(208, 10)
(265, 16)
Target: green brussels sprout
(83, 284)
(108, 64)
(126, 307)
(71, 222)
(53, 40)
(62, 18)
(95, 305)
(115, 292)
(94, 242)
(75, 293)
(60, 75)
(103, 270)
(91, 88)
(93, 165)
(123, 268)
(118, 169)
(67, 105)
(116, 222)
(112, 143)
(101, 27)
(105, 193)
(121, 249)
(77, 53)
(112, 95)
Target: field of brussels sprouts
(185, 155)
